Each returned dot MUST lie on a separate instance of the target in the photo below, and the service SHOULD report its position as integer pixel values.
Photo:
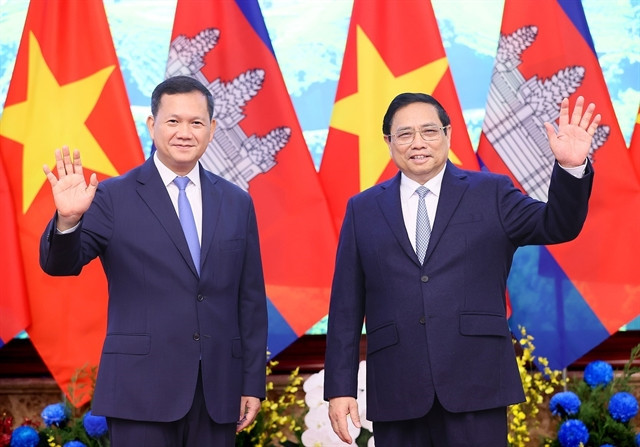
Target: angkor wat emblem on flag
(518, 107)
(232, 154)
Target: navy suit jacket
(164, 319)
(439, 328)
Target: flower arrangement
(280, 416)
(64, 424)
(538, 380)
(279, 423)
(598, 410)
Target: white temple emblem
(518, 107)
(232, 154)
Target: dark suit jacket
(439, 328)
(163, 320)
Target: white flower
(319, 432)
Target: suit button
(196, 336)
(424, 278)
(423, 320)
(200, 297)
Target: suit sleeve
(346, 315)
(67, 254)
(253, 314)
(528, 221)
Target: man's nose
(184, 130)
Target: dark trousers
(195, 429)
(440, 428)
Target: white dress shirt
(193, 190)
(409, 201)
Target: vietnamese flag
(66, 89)
(258, 144)
(14, 301)
(392, 48)
(634, 145)
(570, 296)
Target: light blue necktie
(187, 220)
(423, 228)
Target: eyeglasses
(406, 136)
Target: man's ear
(150, 122)
(213, 129)
(387, 140)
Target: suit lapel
(154, 193)
(389, 202)
(211, 210)
(454, 184)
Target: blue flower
(24, 436)
(598, 373)
(607, 445)
(623, 406)
(572, 433)
(54, 414)
(74, 444)
(638, 439)
(96, 426)
(564, 404)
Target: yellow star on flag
(52, 116)
(361, 113)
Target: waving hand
(571, 144)
(71, 194)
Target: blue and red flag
(258, 144)
(571, 296)
(66, 89)
(381, 61)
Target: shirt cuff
(577, 171)
(70, 230)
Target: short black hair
(404, 99)
(180, 84)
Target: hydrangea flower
(598, 373)
(607, 445)
(564, 404)
(623, 406)
(24, 436)
(74, 444)
(96, 426)
(54, 414)
(572, 433)
(638, 439)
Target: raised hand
(71, 194)
(571, 144)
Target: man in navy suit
(183, 362)
(441, 366)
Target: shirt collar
(409, 186)
(168, 175)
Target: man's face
(181, 130)
(419, 160)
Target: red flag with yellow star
(66, 89)
(392, 47)
(14, 306)
(634, 145)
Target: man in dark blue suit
(423, 258)
(183, 362)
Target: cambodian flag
(571, 296)
(258, 145)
